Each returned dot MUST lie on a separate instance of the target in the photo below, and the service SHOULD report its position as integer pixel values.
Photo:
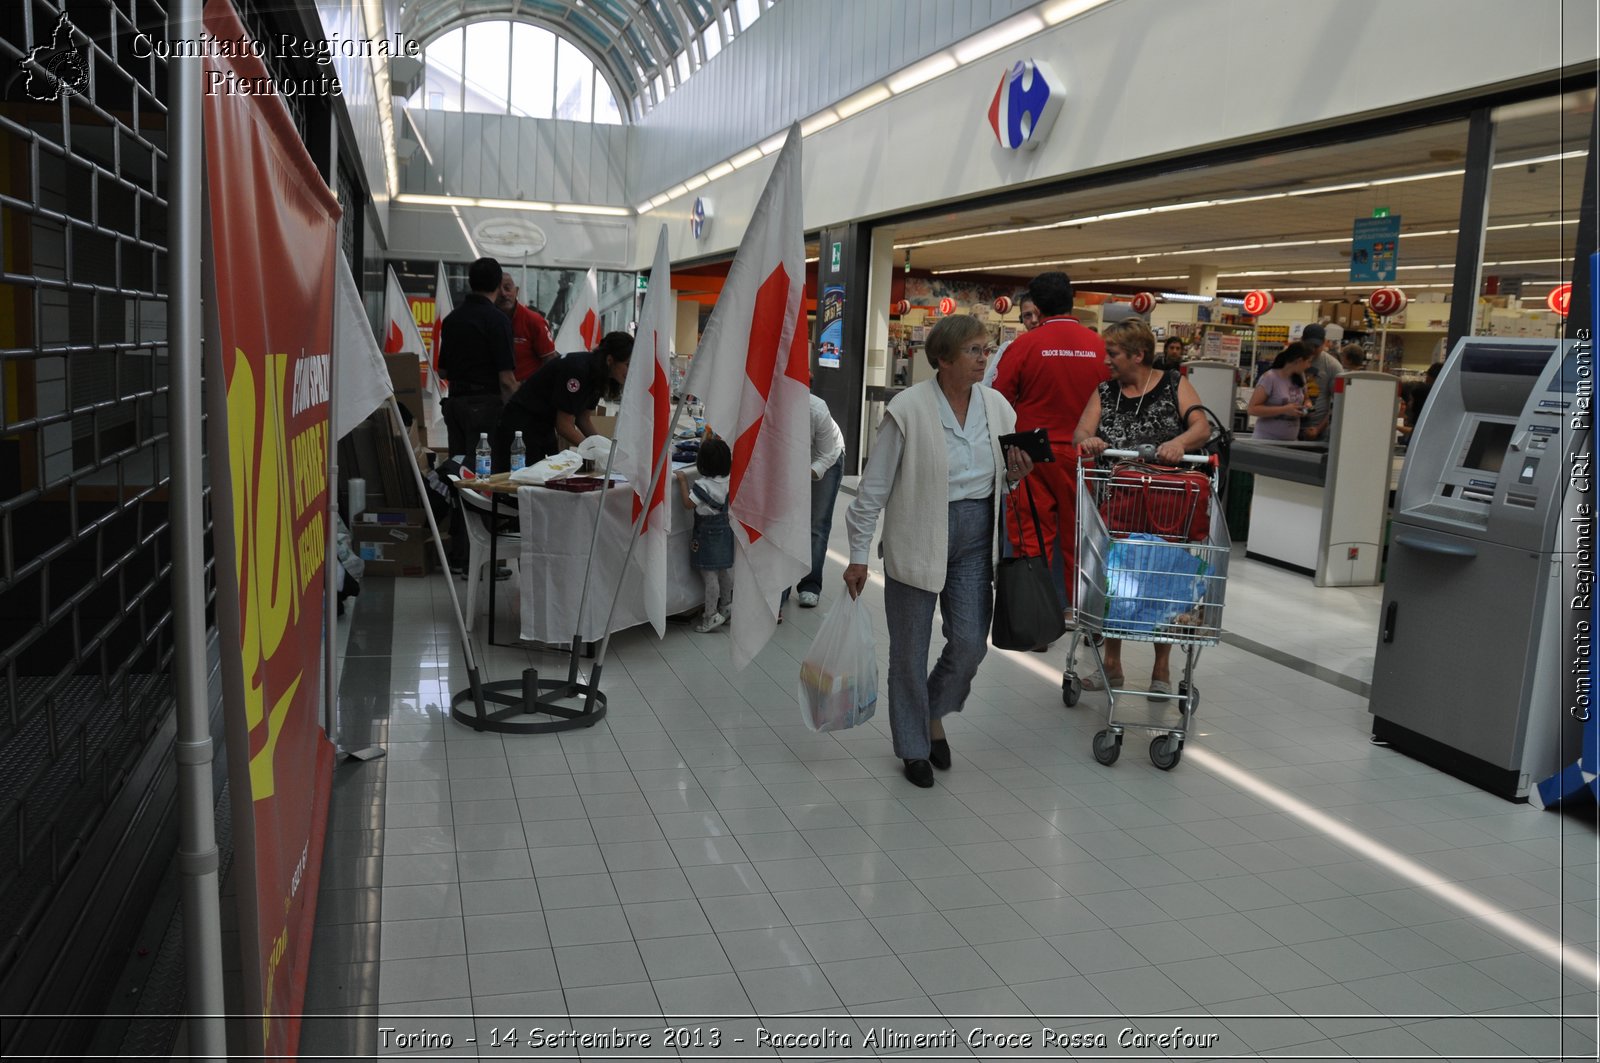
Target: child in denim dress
(712, 545)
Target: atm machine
(1476, 630)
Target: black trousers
(466, 418)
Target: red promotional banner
(272, 247)
(422, 307)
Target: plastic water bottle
(484, 463)
(519, 453)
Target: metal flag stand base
(518, 699)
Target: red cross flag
(442, 306)
(401, 335)
(642, 429)
(753, 375)
(580, 329)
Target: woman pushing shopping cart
(1152, 541)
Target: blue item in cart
(1150, 582)
(686, 451)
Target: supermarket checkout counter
(1320, 508)
(1486, 604)
(1215, 383)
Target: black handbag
(1027, 612)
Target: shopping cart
(1152, 567)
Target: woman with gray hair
(933, 474)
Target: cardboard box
(391, 549)
(392, 517)
(604, 425)
(405, 376)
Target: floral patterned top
(1152, 418)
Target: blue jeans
(824, 493)
(966, 605)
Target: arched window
(502, 67)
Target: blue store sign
(1375, 250)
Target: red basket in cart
(1158, 500)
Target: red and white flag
(580, 329)
(642, 429)
(401, 336)
(753, 374)
(442, 306)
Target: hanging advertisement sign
(1375, 250)
(272, 239)
(830, 326)
(422, 312)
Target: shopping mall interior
(1365, 828)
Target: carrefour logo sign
(700, 217)
(1025, 105)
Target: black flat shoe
(939, 754)
(920, 772)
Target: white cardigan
(915, 544)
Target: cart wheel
(1071, 689)
(1192, 695)
(1165, 751)
(1107, 747)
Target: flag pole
(197, 861)
(473, 679)
(330, 597)
(588, 569)
(633, 536)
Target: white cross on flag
(642, 429)
(752, 372)
(580, 329)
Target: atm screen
(1571, 371)
(1488, 447)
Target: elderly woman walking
(933, 474)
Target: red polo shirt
(530, 340)
(1049, 374)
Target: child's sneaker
(710, 623)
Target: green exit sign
(642, 283)
(1380, 212)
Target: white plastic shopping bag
(839, 676)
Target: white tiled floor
(700, 853)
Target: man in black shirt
(551, 408)
(475, 356)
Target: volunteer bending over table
(551, 408)
(1140, 405)
(933, 474)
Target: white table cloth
(556, 529)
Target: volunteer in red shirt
(530, 333)
(1048, 376)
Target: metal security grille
(85, 615)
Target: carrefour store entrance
(1472, 212)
